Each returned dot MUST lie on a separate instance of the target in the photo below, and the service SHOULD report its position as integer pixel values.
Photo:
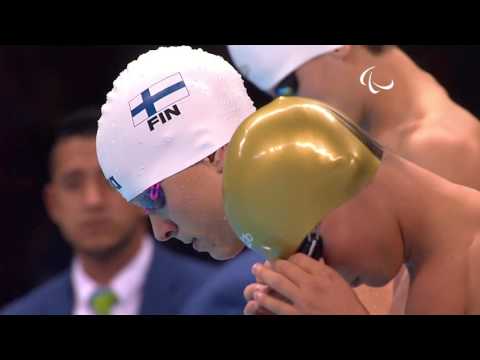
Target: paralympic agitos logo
(373, 87)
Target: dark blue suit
(175, 284)
(223, 293)
(171, 280)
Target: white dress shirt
(127, 284)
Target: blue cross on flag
(157, 97)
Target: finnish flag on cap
(158, 96)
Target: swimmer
(373, 211)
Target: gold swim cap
(288, 165)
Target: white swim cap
(267, 65)
(168, 110)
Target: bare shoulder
(451, 149)
(474, 277)
(432, 140)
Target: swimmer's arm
(456, 159)
(438, 287)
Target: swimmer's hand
(302, 286)
(252, 307)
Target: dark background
(40, 84)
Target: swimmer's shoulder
(445, 148)
(437, 110)
(443, 116)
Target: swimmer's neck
(408, 102)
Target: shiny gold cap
(287, 166)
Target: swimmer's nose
(163, 229)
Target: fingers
(274, 305)
(291, 271)
(253, 308)
(267, 264)
(276, 281)
(250, 290)
(308, 264)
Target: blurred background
(41, 84)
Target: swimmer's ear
(219, 158)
